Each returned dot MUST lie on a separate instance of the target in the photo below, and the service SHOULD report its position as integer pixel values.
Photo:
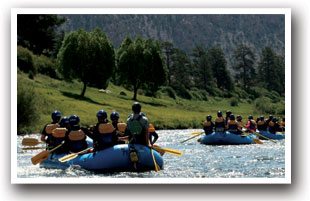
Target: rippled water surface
(198, 161)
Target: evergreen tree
(88, 57)
(141, 65)
(168, 50)
(218, 64)
(38, 32)
(245, 59)
(270, 71)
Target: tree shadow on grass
(78, 97)
(143, 102)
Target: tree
(168, 50)
(141, 65)
(38, 32)
(245, 59)
(204, 77)
(270, 71)
(87, 56)
(218, 64)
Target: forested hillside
(188, 31)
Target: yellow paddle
(265, 137)
(257, 141)
(72, 156)
(31, 142)
(169, 151)
(157, 168)
(195, 133)
(32, 148)
(42, 156)
(193, 137)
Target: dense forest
(188, 31)
(193, 57)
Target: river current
(198, 161)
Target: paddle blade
(195, 133)
(169, 151)
(161, 151)
(68, 158)
(32, 148)
(257, 141)
(30, 142)
(42, 156)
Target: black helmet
(262, 118)
(102, 114)
(239, 117)
(74, 120)
(228, 113)
(250, 117)
(283, 119)
(136, 107)
(209, 117)
(64, 121)
(114, 116)
(232, 117)
(275, 119)
(219, 113)
(56, 115)
(270, 117)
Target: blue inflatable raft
(113, 159)
(226, 138)
(277, 136)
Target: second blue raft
(112, 159)
(226, 138)
(272, 136)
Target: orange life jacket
(76, 135)
(50, 127)
(59, 132)
(121, 127)
(106, 128)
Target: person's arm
(155, 137)
(43, 134)
(87, 132)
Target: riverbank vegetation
(177, 89)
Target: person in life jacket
(240, 123)
(274, 126)
(48, 128)
(261, 124)
(251, 125)
(282, 123)
(153, 136)
(219, 122)
(137, 127)
(104, 133)
(228, 113)
(232, 125)
(76, 135)
(60, 134)
(269, 120)
(208, 125)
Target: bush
(241, 93)
(25, 60)
(46, 66)
(274, 96)
(26, 108)
(234, 102)
(264, 105)
(169, 91)
(181, 91)
(199, 94)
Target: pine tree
(245, 60)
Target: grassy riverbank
(163, 112)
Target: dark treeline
(145, 64)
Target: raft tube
(277, 136)
(113, 159)
(226, 138)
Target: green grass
(164, 112)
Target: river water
(198, 161)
